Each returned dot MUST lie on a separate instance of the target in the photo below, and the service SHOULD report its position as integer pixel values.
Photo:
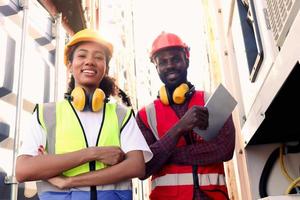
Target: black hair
(125, 98)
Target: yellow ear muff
(179, 93)
(97, 100)
(163, 95)
(78, 98)
(178, 96)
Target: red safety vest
(176, 181)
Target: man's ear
(187, 62)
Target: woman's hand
(60, 182)
(109, 155)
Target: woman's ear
(107, 70)
(69, 67)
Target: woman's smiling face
(88, 65)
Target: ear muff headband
(178, 97)
(80, 100)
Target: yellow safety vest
(66, 134)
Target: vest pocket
(162, 192)
(215, 192)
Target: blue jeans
(84, 195)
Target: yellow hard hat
(87, 35)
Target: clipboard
(220, 106)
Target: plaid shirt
(200, 152)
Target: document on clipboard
(220, 106)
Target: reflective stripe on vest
(151, 117)
(187, 179)
(210, 175)
(43, 186)
(48, 120)
(58, 140)
(115, 116)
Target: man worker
(184, 166)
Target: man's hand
(109, 155)
(196, 116)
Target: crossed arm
(42, 167)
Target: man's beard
(172, 85)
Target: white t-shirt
(131, 136)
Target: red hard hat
(166, 40)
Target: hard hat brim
(87, 36)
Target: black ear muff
(80, 100)
(190, 92)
